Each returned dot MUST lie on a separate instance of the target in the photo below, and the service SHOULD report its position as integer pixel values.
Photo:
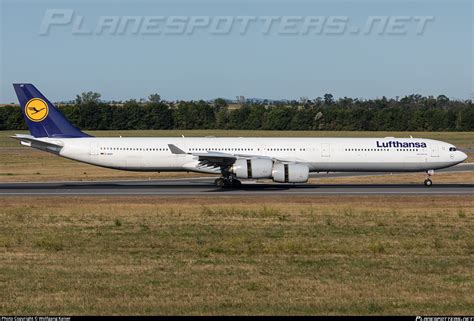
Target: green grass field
(222, 255)
(278, 255)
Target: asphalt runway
(205, 186)
(195, 188)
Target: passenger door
(326, 150)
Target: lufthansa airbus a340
(285, 160)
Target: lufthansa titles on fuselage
(397, 144)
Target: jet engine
(253, 168)
(290, 173)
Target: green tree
(328, 99)
(87, 98)
(278, 118)
(159, 116)
(220, 103)
(154, 98)
(303, 119)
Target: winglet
(176, 150)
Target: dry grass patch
(208, 255)
(470, 158)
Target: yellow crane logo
(36, 109)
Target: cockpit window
(452, 149)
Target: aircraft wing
(30, 141)
(216, 159)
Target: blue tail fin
(41, 116)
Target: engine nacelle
(290, 173)
(253, 168)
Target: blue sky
(203, 65)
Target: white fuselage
(320, 154)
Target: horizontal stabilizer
(52, 147)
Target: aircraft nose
(462, 156)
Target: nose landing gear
(428, 182)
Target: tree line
(410, 113)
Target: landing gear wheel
(227, 183)
(428, 182)
(228, 179)
(219, 182)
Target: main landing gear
(228, 180)
(428, 182)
